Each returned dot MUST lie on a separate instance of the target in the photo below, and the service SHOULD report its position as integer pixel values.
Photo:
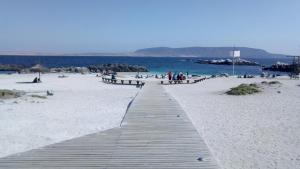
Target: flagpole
(233, 60)
(235, 54)
(232, 65)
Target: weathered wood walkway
(156, 133)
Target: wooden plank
(122, 82)
(155, 133)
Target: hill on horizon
(216, 52)
(213, 52)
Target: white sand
(81, 105)
(243, 132)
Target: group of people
(173, 76)
(169, 75)
(36, 80)
(177, 76)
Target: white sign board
(235, 53)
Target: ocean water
(154, 64)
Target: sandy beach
(253, 131)
(81, 105)
(167, 84)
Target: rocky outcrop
(92, 68)
(70, 70)
(101, 68)
(283, 67)
(11, 67)
(117, 68)
(227, 62)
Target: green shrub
(6, 94)
(244, 89)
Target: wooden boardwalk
(122, 81)
(156, 133)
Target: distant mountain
(215, 52)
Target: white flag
(235, 53)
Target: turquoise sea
(154, 64)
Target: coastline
(153, 64)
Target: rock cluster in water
(283, 67)
(117, 68)
(227, 62)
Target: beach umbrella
(38, 68)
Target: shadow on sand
(27, 82)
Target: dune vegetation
(244, 89)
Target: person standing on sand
(113, 77)
(170, 75)
(174, 76)
(178, 76)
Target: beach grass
(7, 94)
(264, 82)
(270, 83)
(244, 89)
(274, 82)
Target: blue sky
(127, 25)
